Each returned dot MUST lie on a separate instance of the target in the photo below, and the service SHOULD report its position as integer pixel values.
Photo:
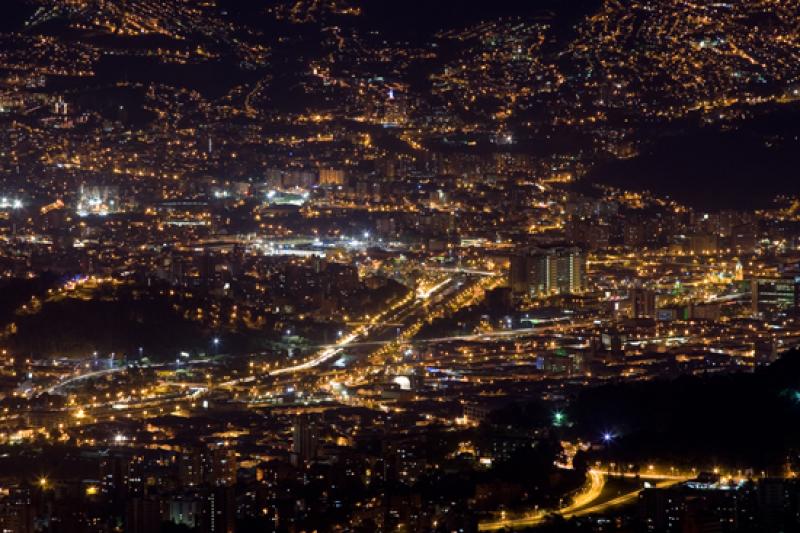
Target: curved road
(60, 386)
(596, 480)
(580, 506)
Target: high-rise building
(222, 466)
(699, 505)
(142, 515)
(218, 511)
(329, 176)
(642, 303)
(16, 511)
(190, 467)
(183, 509)
(544, 271)
(772, 294)
(305, 439)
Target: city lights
(343, 265)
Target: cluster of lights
(10, 203)
(95, 206)
(295, 198)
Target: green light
(558, 418)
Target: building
(590, 234)
(703, 244)
(328, 176)
(220, 511)
(642, 303)
(99, 200)
(190, 467)
(405, 457)
(538, 272)
(221, 467)
(16, 511)
(778, 503)
(774, 294)
(698, 506)
(705, 311)
(142, 515)
(305, 440)
(186, 510)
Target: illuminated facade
(542, 271)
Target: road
(620, 500)
(395, 314)
(503, 334)
(249, 110)
(581, 504)
(322, 357)
(596, 480)
(58, 387)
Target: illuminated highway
(397, 313)
(544, 326)
(620, 500)
(58, 387)
(581, 504)
(596, 481)
(323, 356)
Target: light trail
(620, 500)
(324, 356)
(58, 387)
(426, 293)
(333, 351)
(480, 337)
(463, 270)
(581, 504)
(82, 377)
(658, 476)
(596, 483)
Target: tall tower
(305, 438)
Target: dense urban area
(359, 266)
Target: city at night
(372, 266)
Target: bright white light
(9, 203)
(403, 382)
